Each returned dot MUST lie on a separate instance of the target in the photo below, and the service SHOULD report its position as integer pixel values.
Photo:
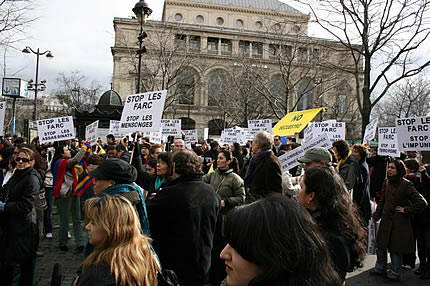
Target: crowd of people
(211, 214)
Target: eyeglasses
(24, 160)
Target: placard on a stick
(91, 132)
(413, 134)
(387, 142)
(143, 111)
(55, 129)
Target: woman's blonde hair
(124, 247)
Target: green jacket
(228, 185)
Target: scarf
(158, 182)
(79, 186)
(342, 161)
(253, 164)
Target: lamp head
(142, 11)
(26, 50)
(49, 55)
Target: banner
(143, 111)
(2, 113)
(387, 142)
(370, 131)
(91, 132)
(334, 130)
(190, 136)
(55, 129)
(295, 122)
(289, 159)
(255, 126)
(114, 129)
(413, 134)
(171, 127)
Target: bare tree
(383, 38)
(74, 92)
(15, 17)
(408, 99)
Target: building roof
(273, 5)
(110, 98)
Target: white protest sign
(206, 134)
(155, 137)
(289, 159)
(2, 113)
(91, 132)
(387, 142)
(413, 134)
(142, 112)
(255, 126)
(190, 136)
(188, 146)
(55, 129)
(171, 127)
(334, 130)
(114, 129)
(370, 131)
(228, 136)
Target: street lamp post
(48, 53)
(142, 11)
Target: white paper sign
(143, 111)
(334, 130)
(171, 127)
(370, 131)
(91, 132)
(387, 142)
(289, 159)
(190, 136)
(114, 129)
(255, 126)
(206, 134)
(155, 137)
(413, 134)
(55, 129)
(2, 113)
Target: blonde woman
(122, 255)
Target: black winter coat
(19, 235)
(182, 216)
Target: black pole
(139, 52)
(35, 86)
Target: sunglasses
(24, 160)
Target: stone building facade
(224, 62)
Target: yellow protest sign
(294, 122)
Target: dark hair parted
(186, 163)
(226, 153)
(338, 212)
(400, 167)
(412, 164)
(286, 243)
(362, 149)
(342, 148)
(166, 157)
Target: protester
(347, 165)
(183, 217)
(229, 186)
(325, 196)
(122, 255)
(210, 157)
(315, 157)
(274, 242)
(378, 169)
(264, 174)
(68, 204)
(399, 201)
(236, 151)
(276, 145)
(361, 193)
(179, 145)
(19, 234)
(122, 152)
(164, 171)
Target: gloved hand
(86, 146)
(2, 204)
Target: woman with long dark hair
(325, 196)
(398, 202)
(286, 246)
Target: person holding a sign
(396, 206)
(263, 175)
(324, 195)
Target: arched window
(187, 123)
(185, 87)
(216, 126)
(217, 87)
(305, 95)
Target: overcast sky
(79, 33)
